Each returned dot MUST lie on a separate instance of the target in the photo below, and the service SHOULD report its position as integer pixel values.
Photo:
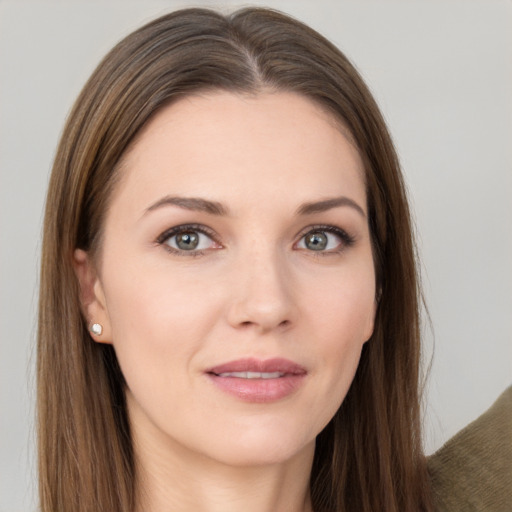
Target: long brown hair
(369, 457)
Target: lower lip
(258, 390)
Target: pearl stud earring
(97, 329)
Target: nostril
(247, 324)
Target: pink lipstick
(260, 381)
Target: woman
(229, 301)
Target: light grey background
(442, 73)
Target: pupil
(316, 241)
(187, 241)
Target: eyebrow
(190, 203)
(216, 208)
(328, 204)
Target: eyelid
(347, 240)
(176, 230)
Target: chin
(265, 454)
(260, 446)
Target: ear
(92, 297)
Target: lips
(276, 365)
(260, 381)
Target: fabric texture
(473, 471)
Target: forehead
(240, 145)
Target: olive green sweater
(473, 471)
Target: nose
(262, 295)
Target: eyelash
(346, 239)
(198, 228)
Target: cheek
(342, 321)
(157, 320)
(344, 304)
(154, 299)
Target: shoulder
(473, 470)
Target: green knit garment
(472, 472)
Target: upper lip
(250, 364)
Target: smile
(258, 381)
(253, 375)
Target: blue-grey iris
(316, 241)
(187, 241)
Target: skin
(255, 289)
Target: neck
(170, 477)
(222, 489)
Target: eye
(189, 238)
(325, 239)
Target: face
(235, 279)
